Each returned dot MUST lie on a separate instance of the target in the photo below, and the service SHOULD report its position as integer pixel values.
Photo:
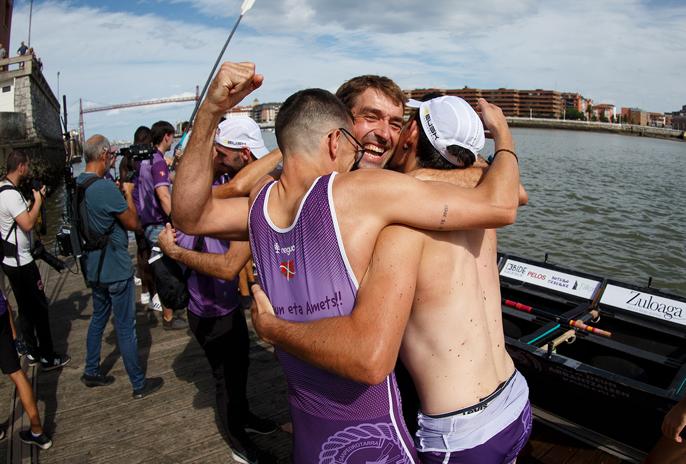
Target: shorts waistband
(480, 406)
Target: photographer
(109, 269)
(16, 222)
(129, 170)
(154, 198)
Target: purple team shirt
(152, 175)
(209, 297)
(305, 273)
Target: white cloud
(625, 52)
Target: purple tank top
(305, 272)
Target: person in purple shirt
(154, 201)
(214, 313)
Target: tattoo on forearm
(445, 216)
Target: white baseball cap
(450, 121)
(241, 132)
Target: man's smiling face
(378, 121)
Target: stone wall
(626, 129)
(34, 126)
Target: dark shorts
(502, 448)
(141, 242)
(9, 361)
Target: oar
(571, 322)
(245, 7)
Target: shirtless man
(468, 387)
(330, 243)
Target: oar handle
(587, 328)
(569, 336)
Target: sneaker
(54, 363)
(251, 455)
(22, 349)
(137, 281)
(99, 380)
(176, 323)
(145, 298)
(259, 425)
(32, 359)
(155, 304)
(42, 441)
(151, 386)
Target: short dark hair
(142, 136)
(14, 159)
(159, 130)
(305, 115)
(429, 157)
(351, 89)
(185, 125)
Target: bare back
(453, 344)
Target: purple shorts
(501, 448)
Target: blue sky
(625, 52)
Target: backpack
(88, 239)
(171, 280)
(6, 247)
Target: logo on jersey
(366, 443)
(162, 173)
(278, 249)
(287, 268)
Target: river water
(605, 204)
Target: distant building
(6, 25)
(239, 112)
(657, 119)
(506, 99)
(265, 113)
(679, 119)
(471, 96)
(536, 103)
(575, 101)
(604, 111)
(634, 116)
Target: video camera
(132, 157)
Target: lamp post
(30, 16)
(58, 85)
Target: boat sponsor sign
(550, 278)
(648, 304)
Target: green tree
(574, 114)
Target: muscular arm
(362, 346)
(222, 266)
(164, 196)
(392, 198)
(245, 180)
(195, 210)
(468, 178)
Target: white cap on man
(241, 132)
(450, 121)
